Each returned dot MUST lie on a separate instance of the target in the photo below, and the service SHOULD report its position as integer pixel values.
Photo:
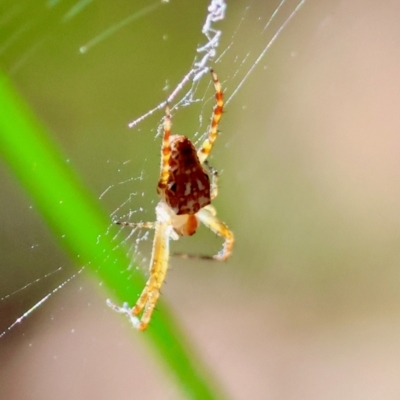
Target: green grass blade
(74, 215)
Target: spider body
(187, 189)
(185, 192)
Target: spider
(185, 192)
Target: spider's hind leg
(216, 116)
(165, 151)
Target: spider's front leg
(158, 269)
(208, 216)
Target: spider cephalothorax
(185, 194)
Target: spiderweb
(308, 184)
(218, 44)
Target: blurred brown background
(308, 306)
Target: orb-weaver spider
(185, 194)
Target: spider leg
(188, 256)
(208, 216)
(140, 225)
(151, 292)
(214, 179)
(165, 151)
(158, 269)
(205, 149)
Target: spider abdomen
(188, 185)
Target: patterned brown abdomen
(188, 186)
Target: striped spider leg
(185, 192)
